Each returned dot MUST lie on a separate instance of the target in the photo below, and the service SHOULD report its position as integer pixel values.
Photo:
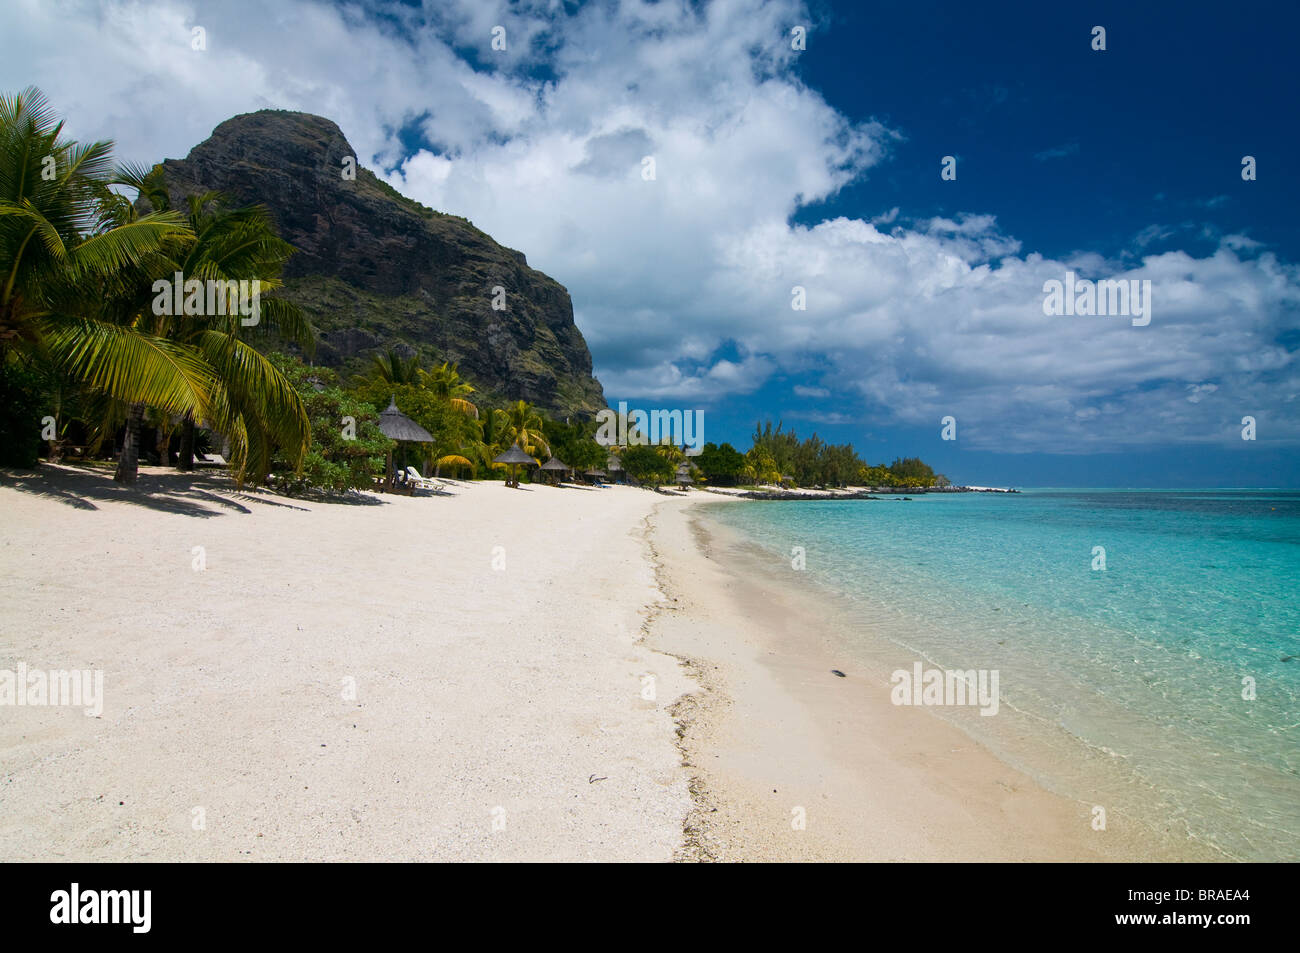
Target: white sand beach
(477, 689)
(500, 713)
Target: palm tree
(521, 423)
(671, 452)
(255, 405)
(760, 466)
(63, 245)
(457, 443)
(453, 460)
(445, 381)
(391, 368)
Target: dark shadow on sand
(198, 494)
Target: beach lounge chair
(424, 483)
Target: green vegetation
(24, 405)
(253, 402)
(722, 465)
(369, 179)
(648, 465)
(904, 473)
(520, 423)
(407, 322)
(779, 456)
(347, 450)
(78, 262)
(575, 444)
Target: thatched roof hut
(397, 426)
(513, 458)
(558, 466)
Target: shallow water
(1143, 663)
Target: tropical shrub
(647, 465)
(575, 444)
(344, 454)
(911, 471)
(721, 464)
(20, 422)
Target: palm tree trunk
(163, 444)
(128, 464)
(185, 457)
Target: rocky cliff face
(376, 270)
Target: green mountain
(376, 270)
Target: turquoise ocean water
(1131, 678)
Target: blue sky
(818, 168)
(1130, 151)
(1071, 148)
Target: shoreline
(812, 495)
(773, 731)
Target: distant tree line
(778, 456)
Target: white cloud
(830, 418)
(804, 391)
(668, 381)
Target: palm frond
(128, 245)
(272, 411)
(132, 367)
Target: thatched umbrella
(614, 465)
(513, 458)
(555, 463)
(684, 474)
(397, 426)
(595, 473)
